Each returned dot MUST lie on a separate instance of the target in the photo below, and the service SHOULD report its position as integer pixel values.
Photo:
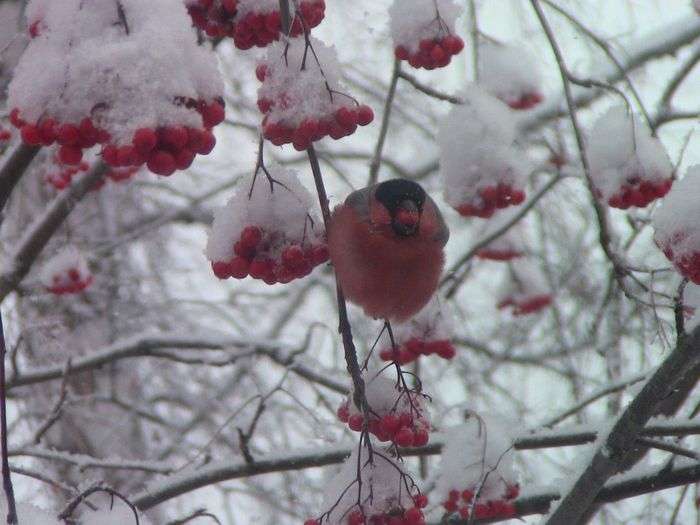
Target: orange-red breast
(386, 244)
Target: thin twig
(388, 104)
(6, 477)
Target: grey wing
(359, 200)
(443, 234)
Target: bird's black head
(404, 199)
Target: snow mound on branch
(432, 323)
(430, 331)
(302, 84)
(477, 149)
(510, 73)
(414, 20)
(477, 456)
(285, 210)
(384, 487)
(84, 64)
(256, 6)
(621, 151)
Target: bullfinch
(386, 244)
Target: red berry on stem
(161, 163)
(70, 154)
(145, 140)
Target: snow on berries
(482, 169)
(382, 492)
(510, 73)
(274, 235)
(476, 473)
(397, 414)
(302, 95)
(102, 72)
(66, 272)
(252, 23)
(677, 225)
(525, 290)
(507, 246)
(429, 332)
(629, 167)
(423, 32)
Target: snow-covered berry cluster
(396, 414)
(381, 493)
(85, 80)
(272, 235)
(677, 225)
(476, 471)
(66, 272)
(482, 169)
(252, 23)
(507, 246)
(525, 290)
(423, 32)
(302, 95)
(428, 333)
(629, 167)
(510, 74)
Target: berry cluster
(253, 257)
(687, 263)
(498, 254)
(415, 347)
(164, 149)
(71, 282)
(169, 148)
(66, 273)
(404, 428)
(72, 138)
(431, 53)
(250, 27)
(302, 97)
(526, 305)
(5, 135)
(398, 516)
(62, 178)
(638, 192)
(340, 124)
(463, 504)
(492, 198)
(525, 101)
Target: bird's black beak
(406, 220)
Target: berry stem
(343, 320)
(6, 479)
(286, 16)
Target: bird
(386, 244)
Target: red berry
(404, 437)
(365, 115)
(251, 237)
(239, 267)
(31, 135)
(356, 422)
(421, 501)
(346, 117)
(68, 135)
(208, 141)
(293, 256)
(161, 163)
(421, 438)
(213, 114)
(390, 424)
(70, 155)
(145, 140)
(221, 269)
(453, 44)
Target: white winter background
(525, 370)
